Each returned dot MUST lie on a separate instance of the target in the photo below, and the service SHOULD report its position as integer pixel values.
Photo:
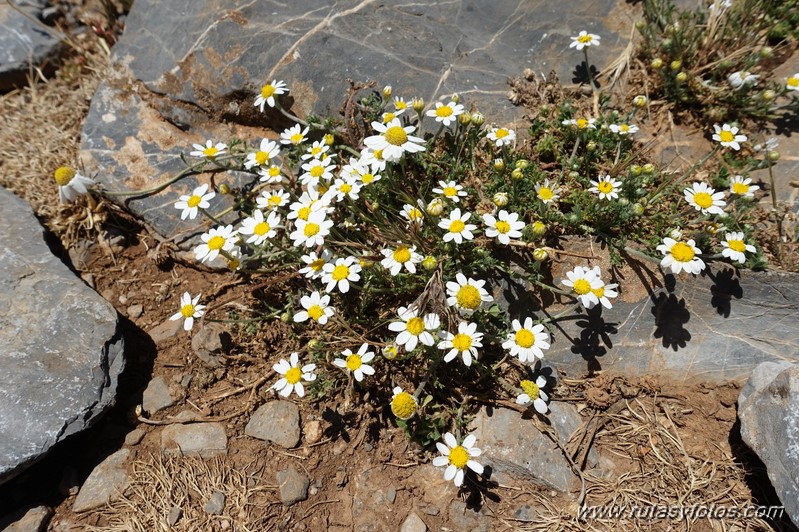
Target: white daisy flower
(728, 136)
(216, 240)
(450, 190)
(467, 294)
(584, 39)
(606, 187)
(605, 292)
(318, 150)
(624, 129)
(315, 264)
(465, 343)
(533, 393)
(342, 188)
(400, 104)
(356, 363)
(403, 404)
(446, 113)
(735, 247)
(580, 123)
(316, 307)
(316, 169)
(739, 80)
(210, 150)
(189, 310)
(72, 184)
(268, 93)
(267, 151)
(681, 256)
(374, 160)
(399, 257)
(294, 135)
(705, 199)
(259, 228)
(743, 187)
(528, 341)
(192, 203)
(414, 215)
(341, 273)
(548, 192)
(272, 200)
(501, 136)
(312, 232)
(293, 375)
(457, 457)
(393, 140)
(388, 116)
(414, 329)
(504, 227)
(273, 174)
(583, 282)
(792, 83)
(457, 228)
(309, 202)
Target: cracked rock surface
(61, 348)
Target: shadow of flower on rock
(595, 339)
(581, 77)
(725, 287)
(670, 315)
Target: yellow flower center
(624, 128)
(303, 213)
(599, 292)
(395, 136)
(793, 82)
(402, 254)
(726, 136)
(340, 272)
(233, 264)
(274, 171)
(414, 214)
(210, 151)
(545, 194)
(354, 362)
(311, 229)
(275, 200)
(462, 342)
(605, 187)
(187, 310)
(261, 157)
(525, 338)
(346, 188)
(502, 133)
(682, 252)
(194, 201)
(317, 265)
(317, 171)
(296, 138)
(582, 123)
(261, 229)
(468, 297)
(584, 39)
(415, 326)
(367, 178)
(703, 199)
(456, 226)
(736, 245)
(316, 150)
(315, 312)
(216, 242)
(403, 405)
(379, 153)
(444, 111)
(582, 287)
(267, 91)
(450, 191)
(740, 188)
(293, 375)
(502, 226)
(388, 117)
(530, 388)
(63, 175)
(458, 457)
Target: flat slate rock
(61, 347)
(198, 439)
(105, 483)
(170, 88)
(23, 41)
(715, 327)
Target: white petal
(440, 461)
(450, 440)
(474, 466)
(449, 474)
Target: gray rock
(134, 437)
(24, 42)
(769, 414)
(156, 396)
(201, 82)
(463, 518)
(276, 421)
(197, 439)
(526, 453)
(391, 494)
(714, 328)
(293, 485)
(209, 342)
(33, 520)
(165, 330)
(174, 515)
(62, 347)
(413, 523)
(135, 311)
(105, 483)
(216, 504)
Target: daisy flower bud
(387, 92)
(403, 404)
(639, 101)
(500, 199)
(429, 262)
(418, 104)
(657, 63)
(517, 173)
(499, 165)
(538, 228)
(540, 254)
(478, 119)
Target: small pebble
(174, 515)
(216, 504)
(391, 494)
